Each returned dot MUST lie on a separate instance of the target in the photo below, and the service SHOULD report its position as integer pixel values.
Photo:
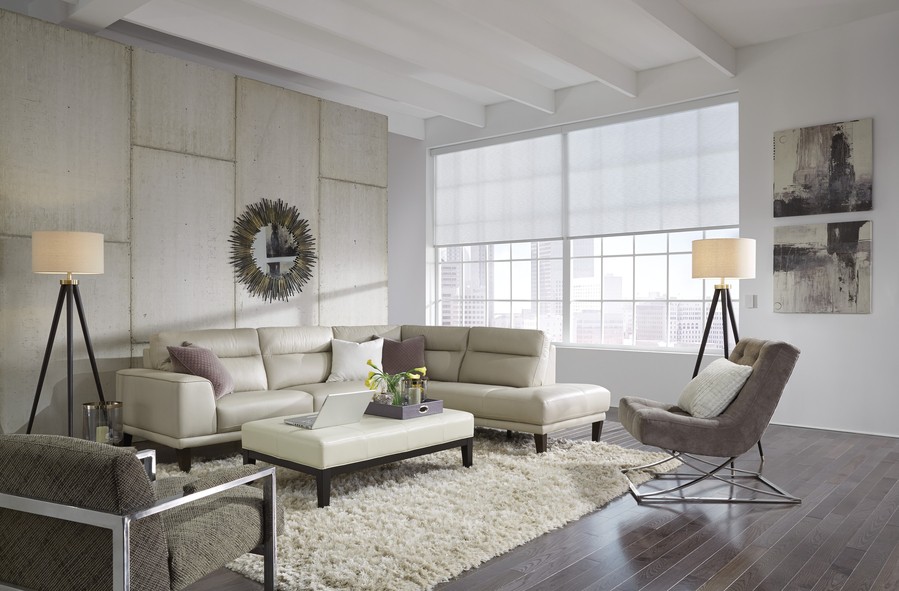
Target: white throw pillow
(348, 359)
(709, 393)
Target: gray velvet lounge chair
(80, 515)
(729, 435)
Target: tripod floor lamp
(67, 253)
(722, 258)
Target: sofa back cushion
(444, 349)
(237, 349)
(295, 355)
(505, 357)
(359, 334)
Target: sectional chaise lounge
(504, 377)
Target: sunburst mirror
(272, 250)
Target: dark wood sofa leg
(540, 441)
(597, 430)
(126, 439)
(183, 459)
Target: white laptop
(337, 409)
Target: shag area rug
(418, 522)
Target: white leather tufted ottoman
(371, 441)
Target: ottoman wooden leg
(597, 430)
(247, 459)
(467, 455)
(540, 441)
(323, 487)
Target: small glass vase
(102, 421)
(414, 391)
(395, 393)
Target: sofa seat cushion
(544, 405)
(234, 410)
(202, 536)
(458, 396)
(321, 391)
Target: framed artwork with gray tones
(823, 268)
(272, 250)
(823, 169)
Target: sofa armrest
(173, 404)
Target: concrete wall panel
(26, 313)
(354, 145)
(277, 158)
(65, 136)
(353, 254)
(144, 148)
(182, 208)
(182, 106)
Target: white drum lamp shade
(724, 258)
(75, 253)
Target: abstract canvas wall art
(823, 169)
(823, 268)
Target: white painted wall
(407, 225)
(844, 380)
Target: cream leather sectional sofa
(504, 377)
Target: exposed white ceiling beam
(401, 119)
(366, 28)
(684, 23)
(239, 28)
(527, 26)
(94, 15)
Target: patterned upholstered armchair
(82, 515)
(735, 431)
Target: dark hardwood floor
(844, 535)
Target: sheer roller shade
(668, 172)
(503, 192)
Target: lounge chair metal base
(774, 494)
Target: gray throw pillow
(204, 363)
(400, 356)
(710, 392)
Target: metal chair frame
(120, 525)
(775, 495)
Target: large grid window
(512, 285)
(632, 290)
(586, 232)
(638, 290)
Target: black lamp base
(68, 292)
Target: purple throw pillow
(400, 356)
(204, 363)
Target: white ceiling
(416, 59)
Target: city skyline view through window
(634, 291)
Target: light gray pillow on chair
(709, 393)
